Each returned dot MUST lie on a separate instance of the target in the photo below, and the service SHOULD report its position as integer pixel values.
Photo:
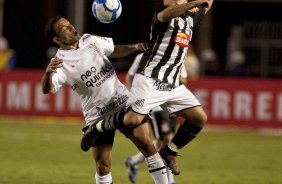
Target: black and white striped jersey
(168, 45)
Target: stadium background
(23, 24)
(40, 134)
(260, 103)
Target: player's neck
(69, 47)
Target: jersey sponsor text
(118, 101)
(92, 79)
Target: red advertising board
(227, 101)
(240, 101)
(21, 94)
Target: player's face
(66, 33)
(174, 2)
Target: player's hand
(53, 65)
(141, 47)
(194, 10)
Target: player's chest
(85, 64)
(181, 29)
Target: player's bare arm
(46, 80)
(128, 80)
(174, 11)
(125, 50)
(208, 6)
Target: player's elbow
(161, 17)
(45, 91)
(208, 5)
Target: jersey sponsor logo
(140, 102)
(73, 87)
(93, 78)
(182, 39)
(118, 101)
(163, 86)
(94, 48)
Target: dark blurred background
(247, 33)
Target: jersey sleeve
(135, 65)
(199, 15)
(58, 79)
(105, 44)
(183, 72)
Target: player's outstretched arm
(125, 50)
(46, 80)
(177, 10)
(209, 5)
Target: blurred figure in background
(7, 55)
(192, 64)
(209, 63)
(235, 64)
(235, 58)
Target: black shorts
(105, 138)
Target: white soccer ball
(106, 11)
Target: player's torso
(87, 70)
(168, 46)
(93, 78)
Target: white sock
(157, 169)
(106, 179)
(137, 158)
(172, 146)
(170, 176)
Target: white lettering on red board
(279, 107)
(18, 96)
(21, 96)
(240, 105)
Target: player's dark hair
(50, 29)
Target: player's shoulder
(86, 38)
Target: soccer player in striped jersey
(156, 82)
(163, 127)
(157, 79)
(82, 63)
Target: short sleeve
(132, 70)
(199, 15)
(105, 44)
(58, 79)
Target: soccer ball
(106, 11)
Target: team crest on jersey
(73, 87)
(182, 39)
(140, 102)
(94, 47)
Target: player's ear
(56, 40)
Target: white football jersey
(89, 73)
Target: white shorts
(147, 93)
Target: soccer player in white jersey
(81, 62)
(163, 127)
(156, 82)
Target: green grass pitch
(49, 153)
